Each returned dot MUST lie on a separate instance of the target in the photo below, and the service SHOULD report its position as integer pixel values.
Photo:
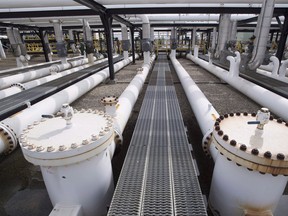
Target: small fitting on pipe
(110, 104)
(262, 116)
(67, 113)
(8, 139)
(139, 70)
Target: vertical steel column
(45, 47)
(132, 43)
(271, 36)
(283, 38)
(107, 23)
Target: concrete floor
(22, 188)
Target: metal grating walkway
(158, 176)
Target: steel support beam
(283, 38)
(107, 23)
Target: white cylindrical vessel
(250, 173)
(74, 159)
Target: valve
(262, 118)
(65, 112)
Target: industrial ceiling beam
(252, 19)
(52, 13)
(19, 26)
(195, 10)
(103, 11)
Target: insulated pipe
(60, 45)
(214, 39)
(146, 42)
(6, 82)
(18, 87)
(2, 52)
(233, 32)
(130, 94)
(14, 125)
(224, 30)
(173, 42)
(125, 41)
(204, 111)
(283, 69)
(88, 41)
(194, 38)
(18, 47)
(72, 41)
(262, 33)
(264, 97)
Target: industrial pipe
(15, 124)
(88, 41)
(18, 87)
(262, 33)
(2, 52)
(237, 172)
(274, 102)
(120, 108)
(130, 95)
(125, 41)
(60, 44)
(146, 42)
(203, 110)
(224, 31)
(6, 82)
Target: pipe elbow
(283, 67)
(144, 18)
(238, 57)
(231, 59)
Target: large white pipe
(17, 87)
(203, 110)
(130, 94)
(224, 32)
(125, 41)
(6, 82)
(31, 66)
(264, 97)
(15, 124)
(146, 44)
(262, 33)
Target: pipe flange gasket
(8, 137)
(19, 85)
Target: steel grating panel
(158, 176)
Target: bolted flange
(8, 138)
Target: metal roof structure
(33, 14)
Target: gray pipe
(262, 33)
